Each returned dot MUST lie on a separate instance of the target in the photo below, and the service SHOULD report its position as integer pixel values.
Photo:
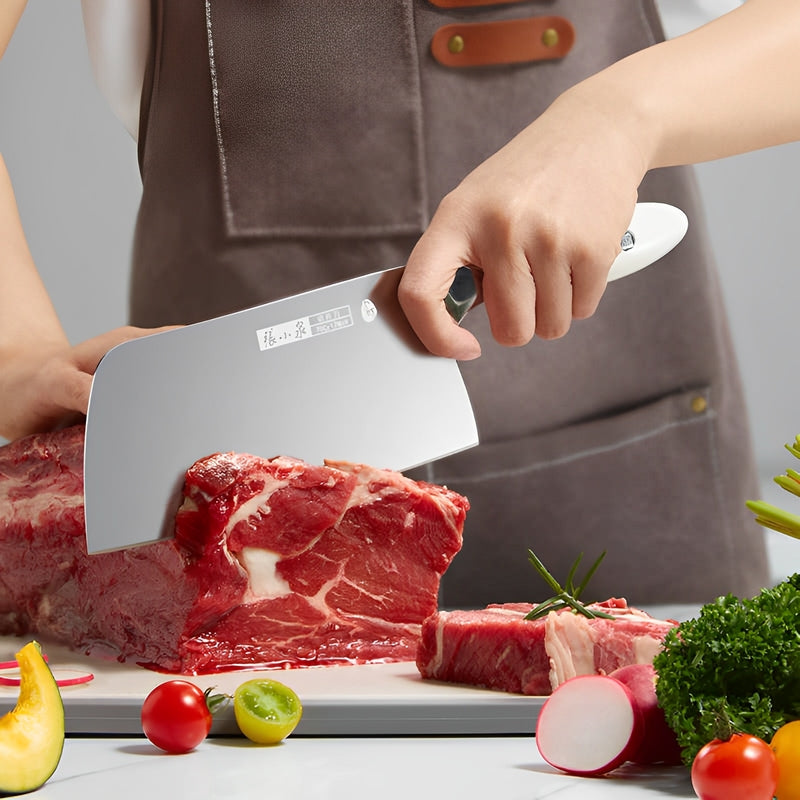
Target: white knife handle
(654, 230)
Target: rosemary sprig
(565, 596)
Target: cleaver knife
(334, 373)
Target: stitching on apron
(540, 465)
(723, 509)
(646, 23)
(419, 138)
(217, 125)
(411, 227)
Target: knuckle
(73, 389)
(410, 292)
(585, 302)
(582, 311)
(131, 332)
(550, 330)
(510, 335)
(584, 307)
(507, 225)
(457, 210)
(451, 203)
(548, 244)
(127, 331)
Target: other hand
(48, 387)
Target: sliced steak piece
(275, 562)
(497, 648)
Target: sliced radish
(589, 725)
(14, 664)
(75, 680)
(64, 677)
(659, 745)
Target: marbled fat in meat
(497, 648)
(275, 563)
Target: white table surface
(348, 767)
(494, 768)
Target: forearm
(726, 88)
(10, 12)
(27, 316)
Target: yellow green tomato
(266, 711)
(786, 745)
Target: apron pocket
(321, 137)
(644, 485)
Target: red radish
(659, 744)
(589, 725)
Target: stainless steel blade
(333, 373)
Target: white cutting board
(362, 700)
(371, 699)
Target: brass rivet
(456, 44)
(550, 37)
(699, 404)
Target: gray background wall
(74, 170)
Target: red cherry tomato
(175, 716)
(740, 768)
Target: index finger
(88, 354)
(425, 283)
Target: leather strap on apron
(470, 3)
(513, 41)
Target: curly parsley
(736, 665)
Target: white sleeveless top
(118, 37)
(118, 33)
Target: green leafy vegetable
(771, 516)
(736, 664)
(565, 596)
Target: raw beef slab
(497, 648)
(275, 563)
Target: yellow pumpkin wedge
(32, 734)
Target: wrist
(626, 125)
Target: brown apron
(285, 145)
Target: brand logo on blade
(295, 330)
